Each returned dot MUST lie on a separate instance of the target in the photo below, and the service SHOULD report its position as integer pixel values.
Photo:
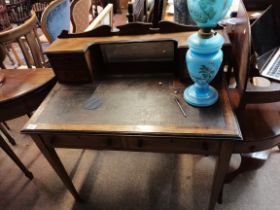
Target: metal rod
(180, 106)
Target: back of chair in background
(80, 15)
(241, 46)
(27, 38)
(55, 19)
(105, 17)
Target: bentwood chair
(55, 19)
(257, 107)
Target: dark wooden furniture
(138, 110)
(79, 52)
(21, 92)
(137, 114)
(258, 117)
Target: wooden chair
(80, 15)
(25, 35)
(138, 11)
(258, 117)
(105, 17)
(55, 19)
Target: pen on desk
(180, 106)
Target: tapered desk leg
(53, 159)
(13, 156)
(221, 169)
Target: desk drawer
(84, 141)
(135, 143)
(173, 145)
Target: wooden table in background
(21, 92)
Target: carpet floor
(111, 180)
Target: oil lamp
(204, 56)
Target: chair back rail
(27, 38)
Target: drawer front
(135, 143)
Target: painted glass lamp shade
(206, 13)
(204, 56)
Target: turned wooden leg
(13, 156)
(221, 169)
(53, 159)
(249, 162)
(7, 134)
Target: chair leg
(249, 162)
(29, 115)
(7, 134)
(13, 156)
(6, 125)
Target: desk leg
(249, 162)
(53, 159)
(13, 156)
(221, 169)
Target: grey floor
(129, 180)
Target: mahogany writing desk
(137, 114)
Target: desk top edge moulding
(204, 56)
